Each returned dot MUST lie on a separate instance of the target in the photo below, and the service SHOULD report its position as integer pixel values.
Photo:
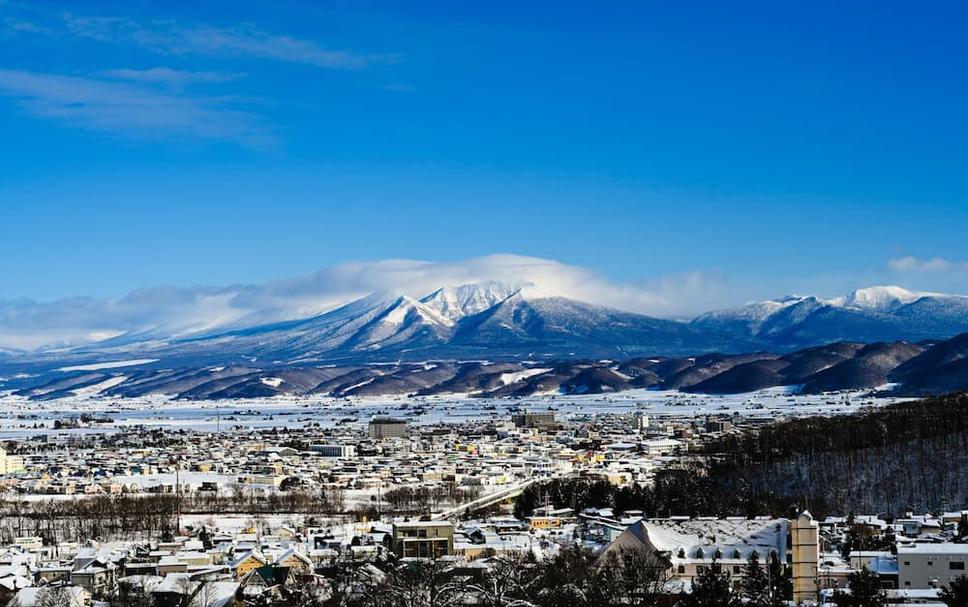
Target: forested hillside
(910, 456)
(906, 456)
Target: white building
(930, 565)
(10, 464)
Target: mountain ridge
(895, 368)
(502, 321)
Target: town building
(387, 427)
(538, 420)
(423, 539)
(930, 565)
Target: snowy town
(331, 515)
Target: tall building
(386, 427)
(10, 464)
(543, 420)
(334, 450)
(805, 553)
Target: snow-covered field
(20, 417)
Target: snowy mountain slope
(487, 321)
(455, 303)
(865, 315)
(878, 299)
(496, 321)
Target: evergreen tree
(865, 591)
(755, 585)
(955, 594)
(781, 582)
(764, 586)
(712, 588)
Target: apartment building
(423, 539)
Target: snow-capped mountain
(879, 299)
(497, 321)
(454, 303)
(477, 321)
(489, 320)
(867, 315)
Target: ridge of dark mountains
(931, 367)
(943, 368)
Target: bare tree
(417, 583)
(56, 596)
(507, 582)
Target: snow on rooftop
(727, 535)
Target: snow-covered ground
(20, 417)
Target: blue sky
(732, 151)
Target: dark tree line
(887, 460)
(100, 517)
(423, 498)
(147, 515)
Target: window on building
(682, 569)
(737, 569)
(956, 565)
(907, 583)
(907, 563)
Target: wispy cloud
(935, 264)
(130, 109)
(244, 41)
(186, 311)
(159, 102)
(169, 76)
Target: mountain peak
(877, 298)
(455, 303)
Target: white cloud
(936, 264)
(243, 41)
(184, 311)
(130, 109)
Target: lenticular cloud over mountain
(184, 311)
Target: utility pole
(178, 495)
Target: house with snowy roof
(245, 562)
(686, 546)
(295, 561)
